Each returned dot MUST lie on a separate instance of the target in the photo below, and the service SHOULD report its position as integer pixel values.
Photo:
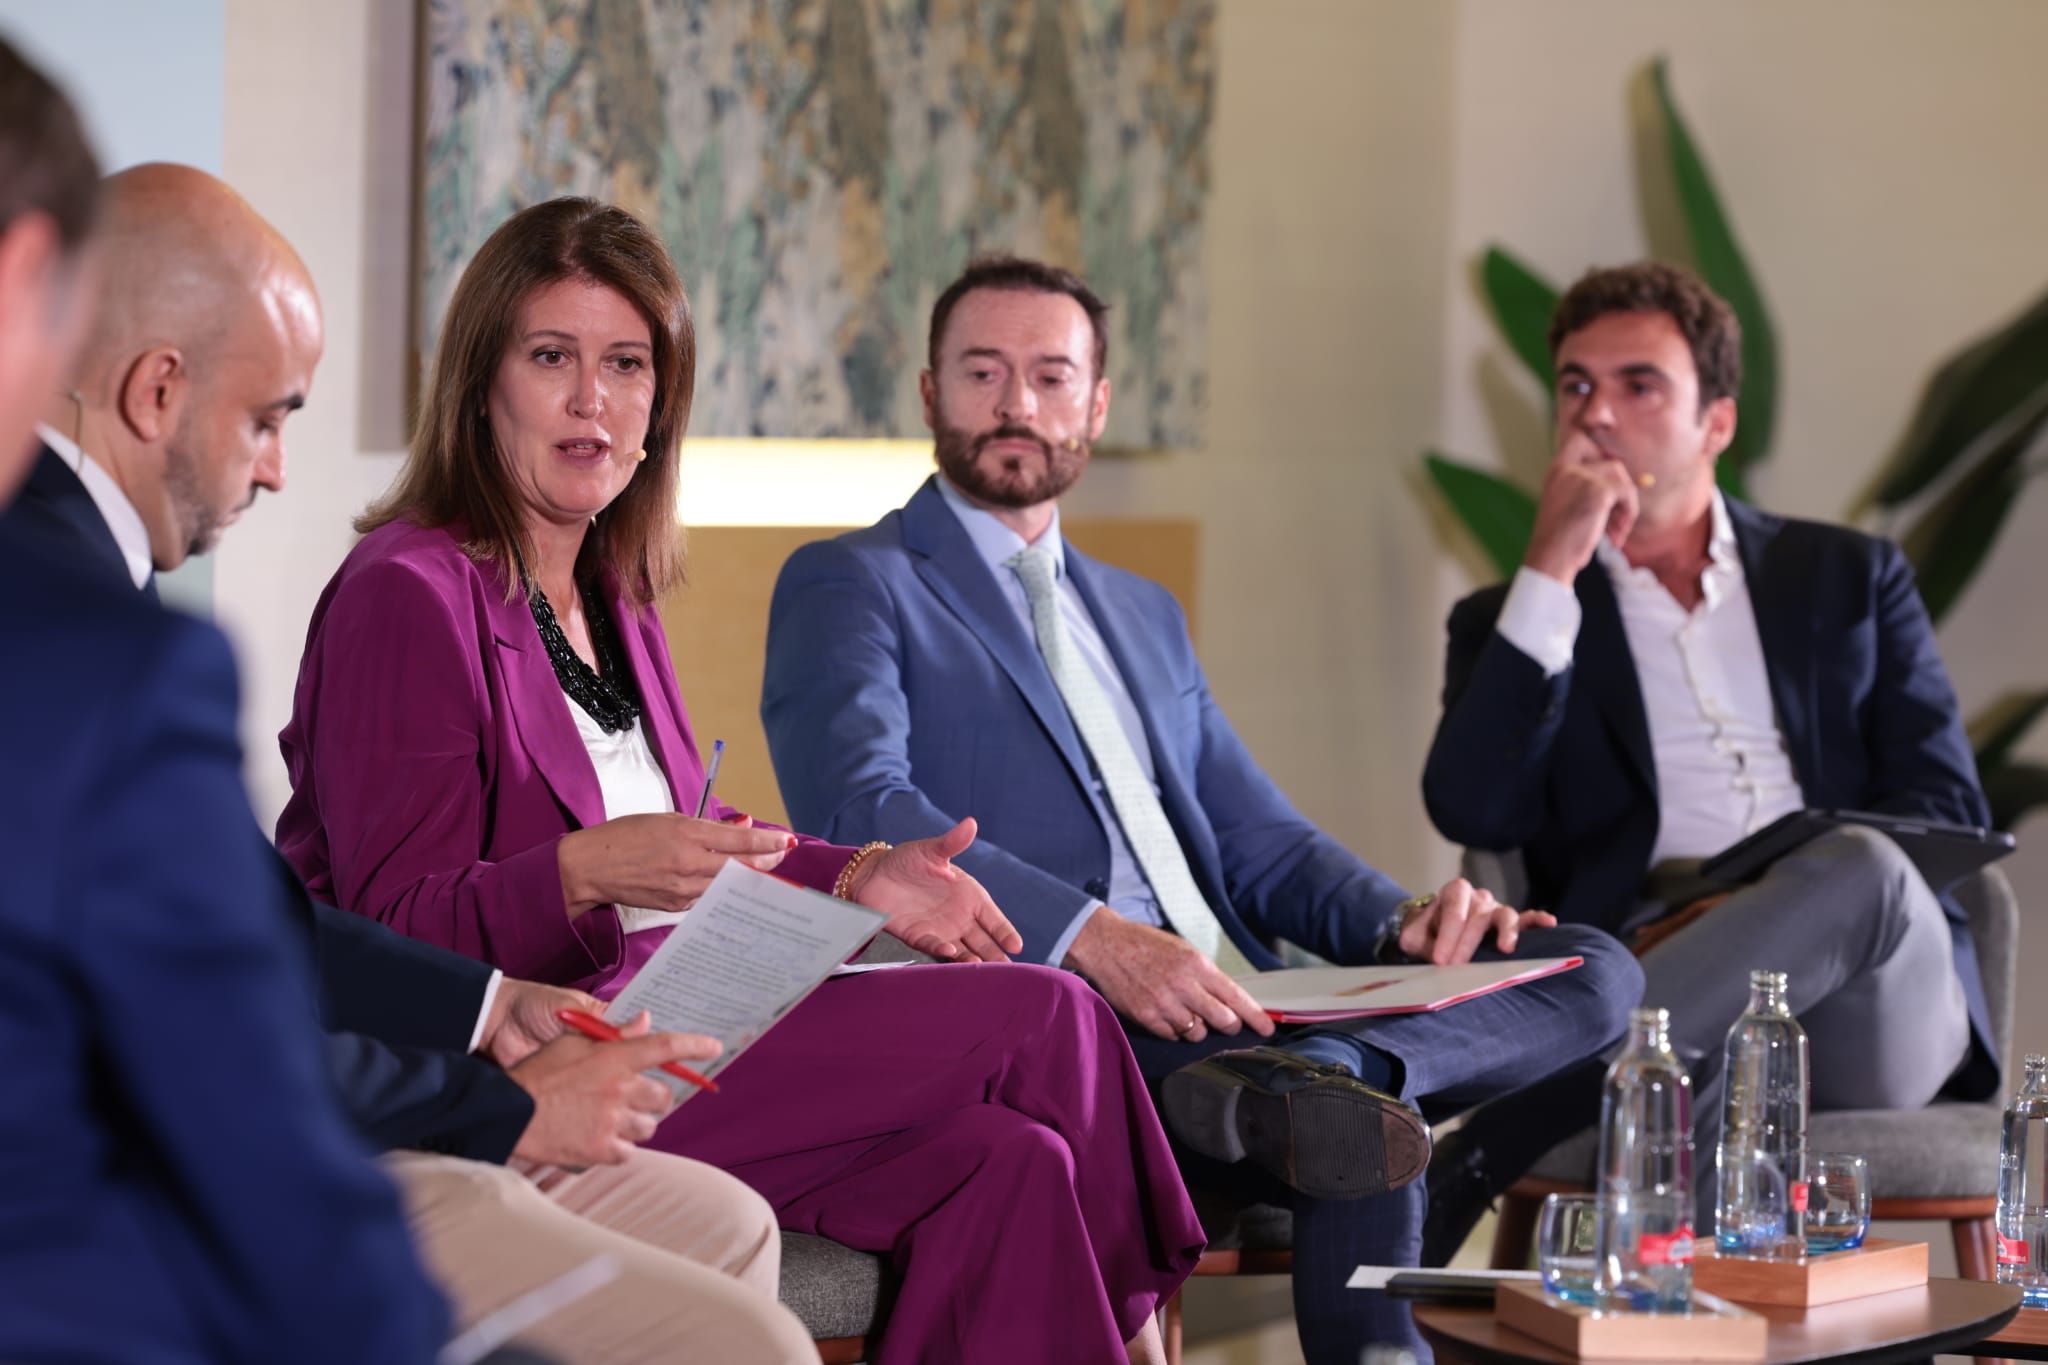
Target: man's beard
(199, 522)
(1008, 480)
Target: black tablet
(1446, 1286)
(1944, 853)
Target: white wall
(146, 78)
(1326, 247)
(319, 138)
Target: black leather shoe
(1460, 1192)
(1318, 1128)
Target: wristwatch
(1387, 948)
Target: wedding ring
(1189, 1026)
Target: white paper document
(863, 968)
(743, 956)
(1307, 994)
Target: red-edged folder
(1307, 995)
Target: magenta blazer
(434, 762)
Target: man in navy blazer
(180, 1185)
(915, 675)
(441, 1062)
(402, 1015)
(1672, 669)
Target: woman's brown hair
(455, 472)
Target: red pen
(590, 1026)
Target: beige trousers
(698, 1255)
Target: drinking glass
(1567, 1238)
(1838, 1201)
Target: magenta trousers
(984, 1127)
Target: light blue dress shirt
(1130, 895)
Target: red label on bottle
(2011, 1250)
(1666, 1248)
(1799, 1197)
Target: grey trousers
(1870, 976)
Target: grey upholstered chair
(841, 1295)
(1938, 1163)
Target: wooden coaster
(1714, 1330)
(1877, 1267)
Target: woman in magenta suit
(488, 751)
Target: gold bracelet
(861, 855)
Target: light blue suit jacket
(903, 692)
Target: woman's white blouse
(633, 784)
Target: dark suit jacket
(181, 1185)
(1560, 768)
(904, 692)
(399, 1013)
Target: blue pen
(710, 776)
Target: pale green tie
(1146, 828)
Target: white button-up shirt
(1721, 766)
(631, 782)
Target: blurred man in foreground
(180, 1184)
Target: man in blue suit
(180, 1185)
(172, 427)
(1672, 669)
(958, 658)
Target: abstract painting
(822, 168)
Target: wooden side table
(1907, 1324)
(2024, 1338)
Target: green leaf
(1999, 726)
(2013, 789)
(1721, 264)
(1973, 391)
(1522, 303)
(1499, 514)
(1728, 478)
(1948, 544)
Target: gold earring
(639, 456)
(1072, 444)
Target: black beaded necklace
(609, 698)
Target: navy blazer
(181, 1185)
(1560, 768)
(399, 1014)
(903, 692)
